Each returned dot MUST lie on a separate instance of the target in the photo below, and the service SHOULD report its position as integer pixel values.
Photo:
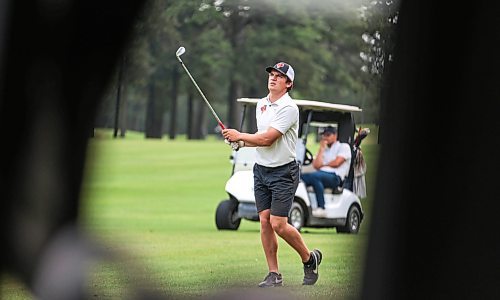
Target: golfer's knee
(278, 225)
(265, 223)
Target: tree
(229, 44)
(235, 19)
(380, 19)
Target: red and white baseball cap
(284, 69)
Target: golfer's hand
(231, 135)
(235, 145)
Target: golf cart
(343, 207)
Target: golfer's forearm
(257, 139)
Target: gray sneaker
(311, 270)
(272, 279)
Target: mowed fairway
(153, 203)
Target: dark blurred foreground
(434, 230)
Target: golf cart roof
(310, 104)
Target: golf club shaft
(202, 95)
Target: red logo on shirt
(263, 108)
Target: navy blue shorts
(274, 187)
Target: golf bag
(355, 181)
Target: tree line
(338, 48)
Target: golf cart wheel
(296, 217)
(226, 216)
(353, 221)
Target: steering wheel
(308, 158)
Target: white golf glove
(235, 145)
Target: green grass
(153, 202)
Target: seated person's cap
(284, 69)
(330, 129)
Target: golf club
(178, 53)
(181, 51)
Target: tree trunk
(118, 99)
(200, 128)
(173, 103)
(123, 112)
(122, 121)
(154, 113)
(190, 114)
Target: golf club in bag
(178, 53)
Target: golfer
(276, 173)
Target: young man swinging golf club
(276, 173)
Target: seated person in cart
(332, 164)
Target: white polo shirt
(282, 115)
(338, 149)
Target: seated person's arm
(339, 160)
(343, 155)
(318, 160)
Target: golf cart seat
(337, 190)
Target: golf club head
(180, 51)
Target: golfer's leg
(269, 240)
(291, 235)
